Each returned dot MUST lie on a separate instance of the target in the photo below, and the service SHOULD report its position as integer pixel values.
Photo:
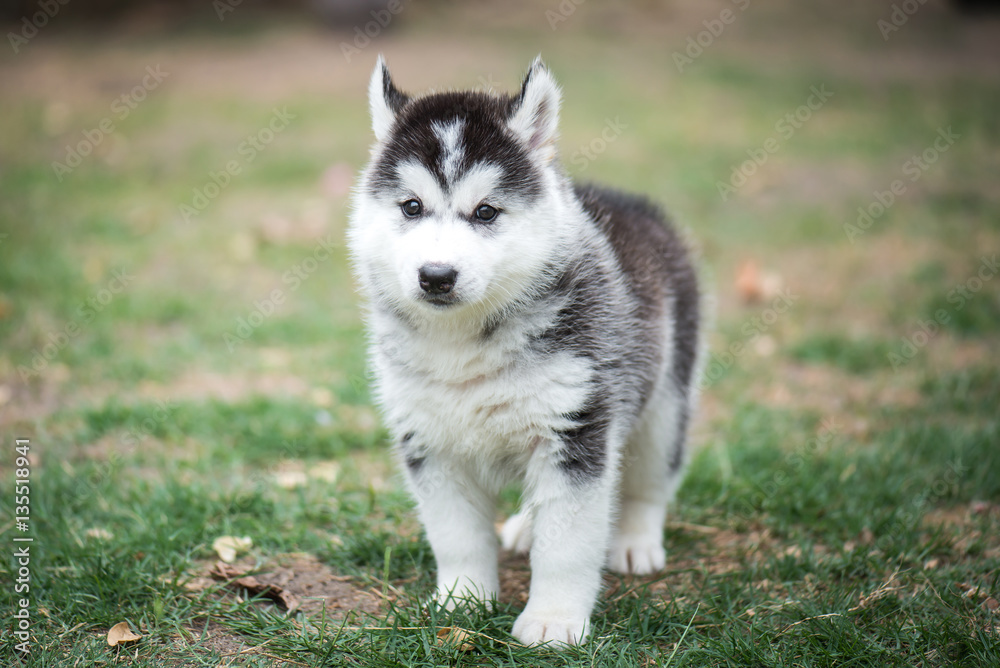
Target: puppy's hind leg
(651, 472)
(515, 535)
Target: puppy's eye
(412, 208)
(485, 213)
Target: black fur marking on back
(659, 276)
(587, 326)
(656, 260)
(485, 139)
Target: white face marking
(496, 263)
(450, 136)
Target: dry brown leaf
(121, 633)
(285, 599)
(991, 604)
(97, 533)
(748, 282)
(223, 571)
(227, 547)
(452, 635)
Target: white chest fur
(493, 399)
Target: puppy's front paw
(559, 629)
(637, 554)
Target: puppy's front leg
(457, 515)
(571, 528)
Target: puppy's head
(459, 209)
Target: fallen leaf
(991, 604)
(932, 564)
(121, 633)
(748, 282)
(451, 635)
(223, 571)
(236, 577)
(227, 547)
(98, 533)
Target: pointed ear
(384, 100)
(534, 117)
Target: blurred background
(207, 150)
(181, 337)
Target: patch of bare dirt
(22, 404)
(298, 581)
(515, 577)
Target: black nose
(437, 279)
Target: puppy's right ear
(384, 100)
(535, 116)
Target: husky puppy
(526, 329)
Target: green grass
(853, 355)
(838, 511)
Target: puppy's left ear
(384, 100)
(534, 117)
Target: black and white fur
(554, 345)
